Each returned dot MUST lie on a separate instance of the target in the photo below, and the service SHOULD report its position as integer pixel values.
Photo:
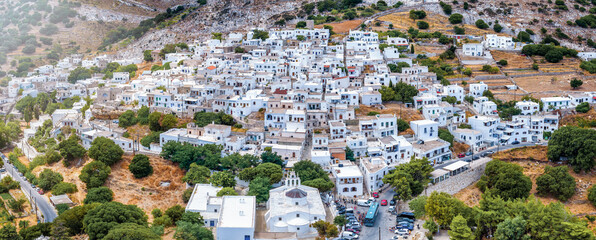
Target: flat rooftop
(238, 212)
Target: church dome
(296, 193)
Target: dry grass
(459, 147)
(407, 114)
(342, 27)
(565, 65)
(572, 120)
(146, 192)
(437, 22)
(533, 160)
(554, 84)
(514, 60)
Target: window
(279, 219)
(297, 215)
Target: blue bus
(371, 214)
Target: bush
(62, 208)
(592, 194)
(422, 25)
(175, 212)
(497, 28)
(575, 83)
(140, 166)
(556, 181)
(583, 107)
(48, 178)
(456, 18)
(503, 62)
(64, 188)
(186, 195)
(99, 195)
(589, 66)
(481, 24)
(95, 174)
(101, 219)
(417, 14)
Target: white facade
(528, 107)
(425, 130)
(293, 207)
(237, 218)
(348, 180)
(473, 49)
(500, 42)
(554, 103)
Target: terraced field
(437, 22)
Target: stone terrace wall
(458, 182)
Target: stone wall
(458, 182)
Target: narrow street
(48, 212)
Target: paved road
(494, 149)
(385, 220)
(47, 210)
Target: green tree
(259, 34)
(100, 220)
(48, 178)
(313, 175)
(71, 220)
(175, 212)
(416, 173)
(592, 195)
(443, 207)
(127, 119)
(99, 195)
(340, 221)
(523, 36)
(513, 229)
(459, 30)
(325, 230)
(575, 83)
(417, 206)
(143, 115)
(186, 195)
(169, 121)
(583, 107)
(79, 73)
(497, 28)
(131, 231)
(422, 25)
(456, 18)
(556, 181)
(259, 187)
(577, 145)
(417, 14)
(402, 125)
(95, 174)
(33, 232)
(323, 185)
(506, 180)
(147, 56)
(460, 230)
(481, 24)
(140, 166)
(105, 150)
(153, 121)
(191, 231)
(223, 179)
(227, 191)
(197, 174)
(350, 154)
(63, 188)
(446, 136)
(402, 188)
(271, 157)
(70, 149)
(301, 24)
(9, 232)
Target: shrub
(456, 18)
(503, 62)
(583, 107)
(140, 166)
(99, 195)
(63, 188)
(422, 25)
(556, 181)
(48, 178)
(592, 194)
(481, 24)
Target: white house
(425, 129)
(205, 201)
(293, 207)
(477, 89)
(501, 42)
(237, 218)
(373, 169)
(348, 179)
(528, 107)
(484, 106)
(554, 103)
(586, 56)
(473, 49)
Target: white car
(402, 232)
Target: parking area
(384, 226)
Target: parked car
(403, 219)
(375, 194)
(461, 155)
(384, 202)
(391, 209)
(515, 143)
(353, 230)
(475, 157)
(402, 232)
(468, 153)
(40, 191)
(407, 215)
(392, 202)
(408, 226)
(490, 152)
